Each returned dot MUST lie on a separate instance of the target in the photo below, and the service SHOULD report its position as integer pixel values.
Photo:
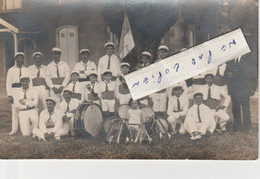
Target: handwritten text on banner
(186, 64)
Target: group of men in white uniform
(44, 98)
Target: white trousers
(25, 118)
(40, 134)
(201, 127)
(173, 119)
(42, 95)
(66, 127)
(15, 111)
(108, 105)
(220, 116)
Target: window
(11, 4)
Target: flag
(126, 40)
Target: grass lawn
(228, 146)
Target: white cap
(37, 53)
(125, 64)
(24, 77)
(84, 50)
(93, 73)
(74, 72)
(147, 53)
(66, 89)
(109, 44)
(50, 99)
(107, 71)
(163, 47)
(19, 53)
(56, 49)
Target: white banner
(186, 64)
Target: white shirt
(216, 93)
(173, 105)
(102, 87)
(134, 116)
(56, 119)
(73, 105)
(64, 72)
(205, 114)
(114, 65)
(34, 71)
(88, 67)
(92, 86)
(13, 77)
(30, 101)
(77, 89)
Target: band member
(199, 119)
(58, 75)
(67, 108)
(13, 85)
(123, 93)
(159, 103)
(162, 52)
(107, 94)
(135, 118)
(27, 102)
(241, 77)
(198, 81)
(145, 60)
(108, 62)
(178, 106)
(182, 84)
(50, 122)
(211, 96)
(76, 87)
(85, 66)
(91, 91)
(38, 74)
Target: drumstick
(119, 135)
(138, 134)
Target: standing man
(13, 85)
(162, 52)
(242, 83)
(38, 74)
(58, 75)
(109, 62)
(85, 66)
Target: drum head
(109, 122)
(147, 112)
(122, 111)
(93, 119)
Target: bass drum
(122, 111)
(88, 120)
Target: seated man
(50, 122)
(67, 108)
(199, 119)
(178, 106)
(26, 103)
(212, 95)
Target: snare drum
(122, 111)
(88, 120)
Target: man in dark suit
(241, 74)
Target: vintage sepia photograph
(65, 93)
